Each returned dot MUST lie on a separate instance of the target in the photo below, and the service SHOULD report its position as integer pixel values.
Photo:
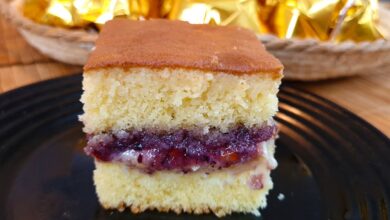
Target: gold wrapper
(57, 12)
(101, 11)
(335, 20)
(80, 13)
(358, 22)
(327, 20)
(244, 13)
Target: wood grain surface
(367, 96)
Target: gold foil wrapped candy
(335, 20)
(57, 13)
(301, 18)
(327, 20)
(244, 13)
(80, 13)
(358, 21)
(100, 11)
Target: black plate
(332, 165)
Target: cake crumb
(281, 196)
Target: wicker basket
(304, 60)
(65, 45)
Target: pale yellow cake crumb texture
(221, 192)
(118, 99)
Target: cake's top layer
(161, 43)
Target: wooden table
(367, 96)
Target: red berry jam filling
(181, 149)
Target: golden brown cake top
(162, 43)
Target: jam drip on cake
(181, 149)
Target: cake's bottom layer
(181, 149)
(240, 188)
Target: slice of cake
(179, 117)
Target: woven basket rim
(10, 10)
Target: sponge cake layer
(119, 99)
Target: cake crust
(160, 43)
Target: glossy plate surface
(332, 165)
